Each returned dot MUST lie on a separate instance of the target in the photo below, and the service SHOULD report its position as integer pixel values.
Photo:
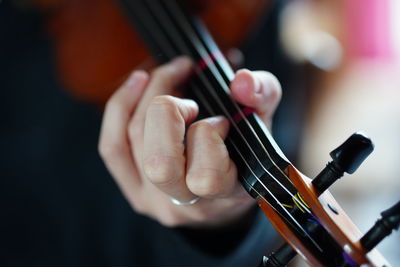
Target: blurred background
(356, 45)
(338, 62)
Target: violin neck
(170, 31)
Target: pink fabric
(368, 28)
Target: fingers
(114, 144)
(165, 80)
(164, 150)
(142, 142)
(259, 90)
(210, 171)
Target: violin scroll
(339, 242)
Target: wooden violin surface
(96, 46)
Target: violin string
(213, 113)
(186, 27)
(189, 31)
(278, 203)
(168, 26)
(149, 23)
(161, 39)
(227, 113)
(161, 15)
(223, 63)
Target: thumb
(257, 89)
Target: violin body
(96, 46)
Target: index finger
(113, 141)
(164, 81)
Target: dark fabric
(58, 204)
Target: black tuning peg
(383, 227)
(346, 158)
(279, 258)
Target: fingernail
(256, 86)
(215, 120)
(241, 83)
(246, 80)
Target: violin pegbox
(347, 158)
(328, 215)
(302, 211)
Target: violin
(100, 34)
(301, 209)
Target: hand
(141, 143)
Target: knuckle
(161, 170)
(110, 149)
(206, 182)
(166, 106)
(165, 100)
(200, 128)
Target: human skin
(142, 145)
